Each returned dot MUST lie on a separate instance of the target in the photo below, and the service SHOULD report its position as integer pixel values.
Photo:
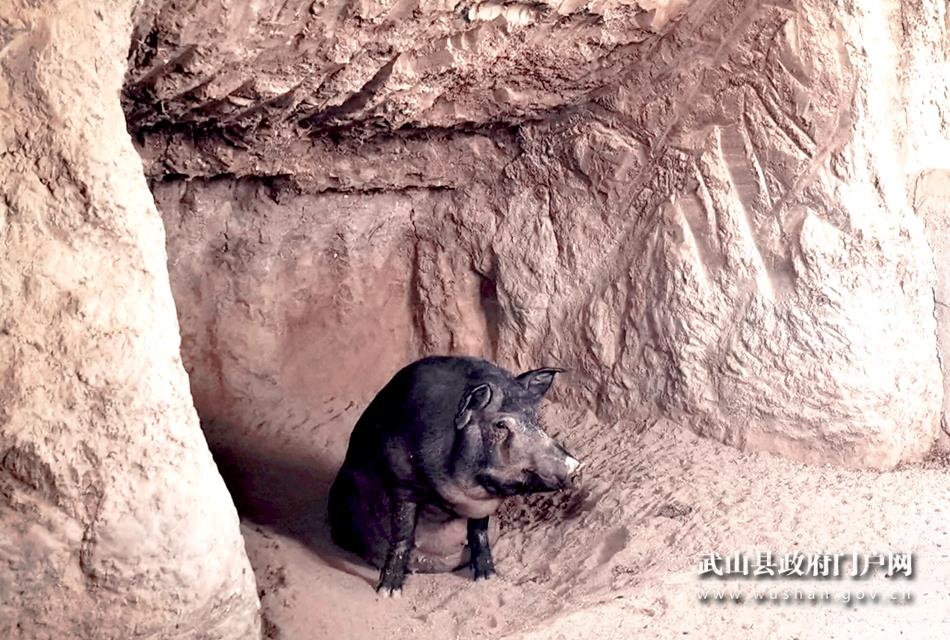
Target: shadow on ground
(287, 493)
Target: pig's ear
(538, 381)
(475, 400)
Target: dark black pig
(432, 457)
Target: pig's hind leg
(359, 516)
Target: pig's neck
(468, 499)
(458, 488)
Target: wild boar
(431, 459)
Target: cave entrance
(691, 214)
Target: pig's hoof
(483, 571)
(389, 589)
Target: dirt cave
(225, 225)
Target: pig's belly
(440, 544)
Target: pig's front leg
(482, 564)
(393, 574)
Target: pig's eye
(501, 424)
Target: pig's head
(502, 443)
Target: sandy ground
(619, 555)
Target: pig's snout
(572, 464)
(569, 462)
(560, 466)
